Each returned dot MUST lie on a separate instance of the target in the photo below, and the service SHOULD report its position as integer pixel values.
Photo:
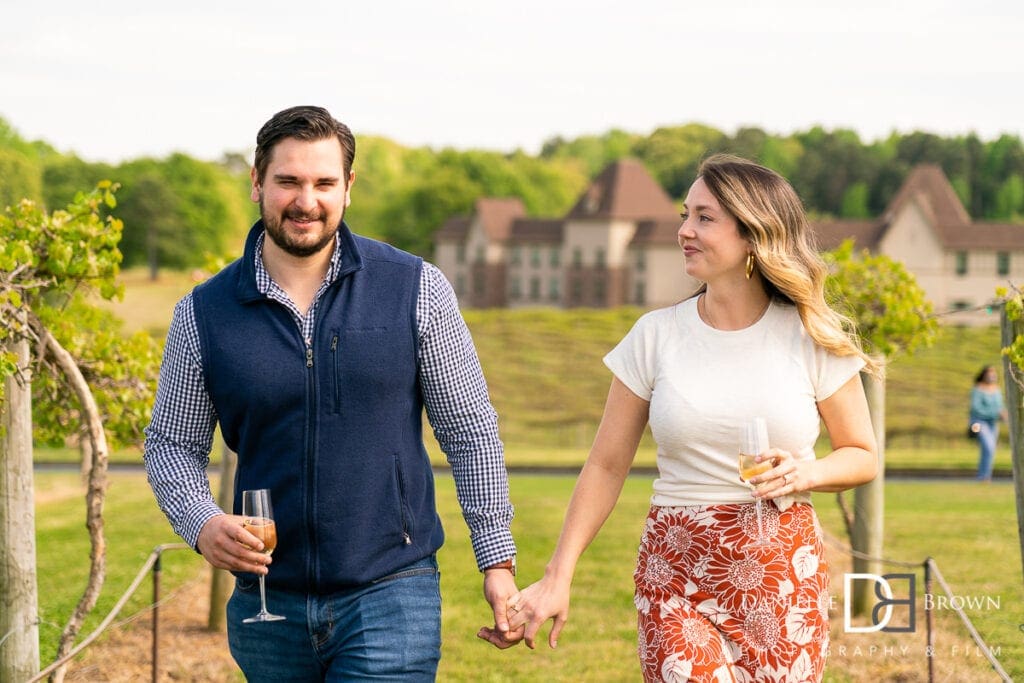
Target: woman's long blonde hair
(771, 216)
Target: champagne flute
(259, 521)
(754, 442)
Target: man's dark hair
(302, 123)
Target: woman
(757, 340)
(986, 411)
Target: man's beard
(284, 241)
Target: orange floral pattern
(711, 607)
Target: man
(316, 353)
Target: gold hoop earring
(750, 264)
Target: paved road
(890, 473)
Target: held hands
(499, 586)
(226, 544)
(786, 477)
(529, 608)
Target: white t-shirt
(704, 383)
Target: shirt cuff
(492, 548)
(195, 521)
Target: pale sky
(115, 80)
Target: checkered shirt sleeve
(464, 421)
(180, 435)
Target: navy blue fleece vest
(333, 429)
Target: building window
(1002, 262)
(515, 289)
(577, 257)
(535, 257)
(961, 263)
(534, 288)
(640, 294)
(576, 291)
(599, 258)
(554, 288)
(600, 291)
(641, 261)
(516, 257)
(460, 285)
(478, 282)
(479, 255)
(460, 254)
(556, 258)
(961, 305)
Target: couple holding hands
(318, 351)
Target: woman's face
(710, 237)
(991, 376)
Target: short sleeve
(833, 372)
(634, 359)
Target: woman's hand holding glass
(781, 477)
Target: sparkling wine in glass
(258, 520)
(754, 442)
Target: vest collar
(350, 260)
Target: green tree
(449, 182)
(748, 143)
(1003, 157)
(51, 265)
(20, 178)
(832, 162)
(594, 152)
(10, 139)
(65, 176)
(890, 177)
(1009, 201)
(157, 236)
(954, 155)
(782, 154)
(855, 201)
(1012, 339)
(191, 209)
(892, 316)
(889, 308)
(424, 204)
(673, 154)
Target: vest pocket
(336, 375)
(403, 506)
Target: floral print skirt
(712, 607)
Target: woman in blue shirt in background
(986, 411)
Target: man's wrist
(509, 564)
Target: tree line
(179, 212)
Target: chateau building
(617, 246)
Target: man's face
(303, 195)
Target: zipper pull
(309, 356)
(406, 538)
(334, 343)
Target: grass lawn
(966, 527)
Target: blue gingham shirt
(180, 436)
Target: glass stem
(262, 585)
(760, 525)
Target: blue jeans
(389, 630)
(987, 437)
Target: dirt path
(188, 652)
